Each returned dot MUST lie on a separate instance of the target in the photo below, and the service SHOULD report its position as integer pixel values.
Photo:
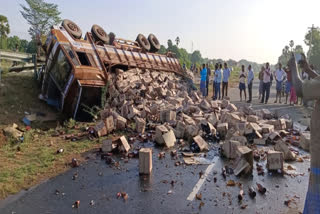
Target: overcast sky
(255, 30)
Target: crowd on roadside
(221, 75)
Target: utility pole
(191, 47)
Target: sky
(256, 30)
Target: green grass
(25, 164)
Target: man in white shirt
(250, 81)
(279, 75)
(266, 84)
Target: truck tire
(72, 28)
(154, 43)
(99, 34)
(143, 42)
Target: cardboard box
(169, 139)
(229, 149)
(201, 143)
(107, 145)
(305, 140)
(274, 160)
(145, 161)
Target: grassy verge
(25, 164)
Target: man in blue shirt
(208, 78)
(226, 75)
(203, 75)
(250, 81)
(217, 81)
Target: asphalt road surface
(100, 182)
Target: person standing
(208, 79)
(279, 75)
(261, 81)
(250, 82)
(242, 83)
(217, 82)
(226, 75)
(266, 84)
(309, 90)
(203, 75)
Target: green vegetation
(287, 52)
(196, 58)
(40, 15)
(312, 39)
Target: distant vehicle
(77, 69)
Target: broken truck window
(61, 70)
(83, 58)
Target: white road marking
(198, 186)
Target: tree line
(195, 58)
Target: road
(100, 182)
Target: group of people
(220, 76)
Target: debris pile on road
(161, 105)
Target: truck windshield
(61, 69)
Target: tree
(196, 57)
(162, 50)
(177, 41)
(40, 16)
(291, 44)
(312, 39)
(14, 43)
(170, 44)
(4, 30)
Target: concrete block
(203, 145)
(274, 160)
(145, 161)
(191, 131)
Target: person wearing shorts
(279, 75)
(242, 83)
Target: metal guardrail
(15, 56)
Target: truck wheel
(99, 34)
(72, 28)
(154, 42)
(143, 42)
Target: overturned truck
(77, 69)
